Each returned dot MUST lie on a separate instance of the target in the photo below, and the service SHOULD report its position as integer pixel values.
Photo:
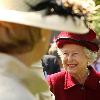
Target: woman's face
(74, 58)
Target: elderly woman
(22, 44)
(79, 81)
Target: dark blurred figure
(53, 51)
(50, 64)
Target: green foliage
(97, 2)
(96, 22)
(95, 18)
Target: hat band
(89, 45)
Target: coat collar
(91, 82)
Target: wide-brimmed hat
(86, 40)
(19, 11)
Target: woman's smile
(72, 65)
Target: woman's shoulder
(60, 76)
(98, 74)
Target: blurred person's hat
(86, 40)
(63, 19)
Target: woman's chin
(72, 70)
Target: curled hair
(91, 55)
(17, 38)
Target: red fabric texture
(65, 87)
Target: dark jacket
(50, 64)
(64, 86)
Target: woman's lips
(71, 65)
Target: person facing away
(21, 45)
(53, 51)
(50, 64)
(79, 81)
(17, 79)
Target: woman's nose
(69, 58)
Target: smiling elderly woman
(79, 81)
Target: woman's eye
(75, 53)
(65, 53)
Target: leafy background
(96, 18)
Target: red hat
(86, 40)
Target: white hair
(91, 55)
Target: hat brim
(89, 45)
(37, 19)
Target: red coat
(65, 87)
